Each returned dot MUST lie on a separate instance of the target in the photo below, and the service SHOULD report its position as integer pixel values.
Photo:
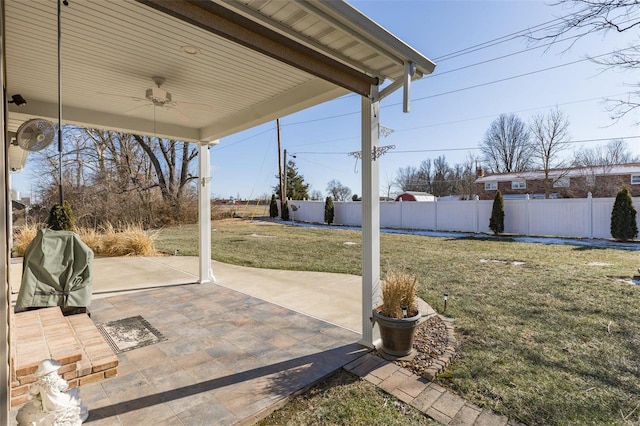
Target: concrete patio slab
(335, 298)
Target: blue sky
(246, 164)
(440, 123)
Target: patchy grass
(344, 399)
(549, 334)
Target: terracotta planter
(396, 333)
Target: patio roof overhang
(255, 61)
(229, 66)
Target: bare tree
(465, 177)
(388, 185)
(614, 152)
(601, 17)
(407, 179)
(172, 164)
(315, 195)
(117, 177)
(441, 185)
(506, 147)
(411, 178)
(338, 191)
(599, 161)
(424, 176)
(550, 136)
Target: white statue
(53, 404)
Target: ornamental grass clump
(398, 291)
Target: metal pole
(60, 101)
(279, 159)
(285, 178)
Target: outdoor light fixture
(405, 310)
(446, 296)
(18, 100)
(190, 50)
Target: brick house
(577, 182)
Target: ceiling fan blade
(193, 106)
(136, 109)
(184, 118)
(133, 98)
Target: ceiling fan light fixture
(190, 50)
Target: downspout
(5, 299)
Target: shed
(415, 196)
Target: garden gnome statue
(52, 404)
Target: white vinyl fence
(571, 217)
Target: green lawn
(554, 340)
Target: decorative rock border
(443, 360)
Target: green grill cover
(56, 271)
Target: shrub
(127, 240)
(22, 236)
(328, 210)
(273, 207)
(61, 218)
(496, 223)
(285, 210)
(130, 240)
(623, 217)
(398, 290)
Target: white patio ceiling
(112, 49)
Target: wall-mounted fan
(35, 134)
(158, 97)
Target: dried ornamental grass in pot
(398, 315)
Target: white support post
(590, 213)
(370, 216)
(477, 204)
(527, 215)
(5, 300)
(204, 216)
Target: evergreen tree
(285, 210)
(496, 223)
(623, 217)
(297, 188)
(273, 207)
(328, 210)
(61, 218)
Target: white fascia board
(372, 33)
(97, 119)
(314, 92)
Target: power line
(500, 40)
(438, 74)
(465, 149)
(475, 86)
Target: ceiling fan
(158, 97)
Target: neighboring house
(577, 182)
(415, 196)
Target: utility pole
(280, 160)
(285, 175)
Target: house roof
(616, 169)
(254, 61)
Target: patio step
(74, 341)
